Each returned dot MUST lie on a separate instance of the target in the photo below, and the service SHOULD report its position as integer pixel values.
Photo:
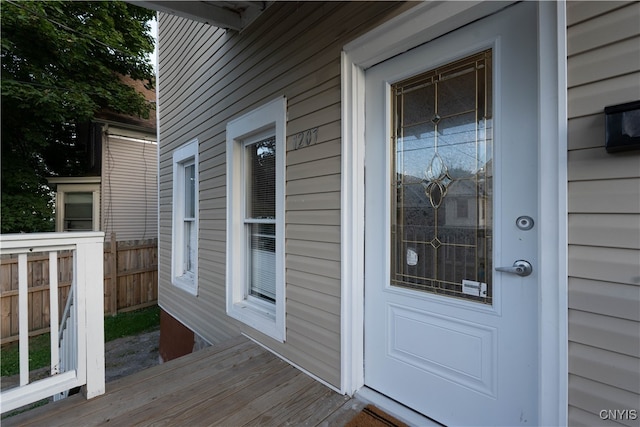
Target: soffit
(233, 15)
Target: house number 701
(305, 138)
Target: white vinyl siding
(207, 77)
(604, 214)
(129, 185)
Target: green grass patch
(121, 325)
(131, 323)
(39, 355)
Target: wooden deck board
(236, 383)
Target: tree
(62, 62)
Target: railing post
(23, 312)
(90, 270)
(53, 312)
(114, 275)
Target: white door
(451, 175)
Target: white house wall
(129, 186)
(209, 76)
(604, 214)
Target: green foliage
(131, 323)
(39, 355)
(121, 325)
(62, 62)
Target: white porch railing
(83, 324)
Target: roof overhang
(233, 15)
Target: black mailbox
(622, 127)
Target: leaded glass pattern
(441, 207)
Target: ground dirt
(129, 355)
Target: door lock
(524, 223)
(521, 268)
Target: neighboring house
(282, 147)
(119, 194)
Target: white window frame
(69, 185)
(183, 157)
(269, 119)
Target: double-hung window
(184, 259)
(255, 218)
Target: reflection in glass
(78, 211)
(261, 179)
(189, 191)
(442, 179)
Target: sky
(154, 32)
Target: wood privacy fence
(130, 283)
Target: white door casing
(353, 76)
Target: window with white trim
(184, 251)
(255, 218)
(77, 203)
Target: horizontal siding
(612, 230)
(605, 366)
(614, 196)
(587, 398)
(614, 334)
(580, 11)
(207, 77)
(606, 298)
(313, 202)
(129, 188)
(594, 164)
(604, 214)
(605, 264)
(586, 132)
(595, 65)
(592, 98)
(603, 29)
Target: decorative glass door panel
(441, 207)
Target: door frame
(416, 26)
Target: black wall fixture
(622, 127)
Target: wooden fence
(130, 283)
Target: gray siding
(209, 76)
(604, 214)
(129, 185)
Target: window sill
(187, 284)
(257, 315)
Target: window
(184, 254)
(77, 203)
(255, 218)
(78, 211)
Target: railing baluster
(53, 312)
(23, 313)
(80, 360)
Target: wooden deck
(236, 383)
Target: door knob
(521, 268)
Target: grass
(131, 323)
(39, 355)
(121, 325)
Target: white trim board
(416, 26)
